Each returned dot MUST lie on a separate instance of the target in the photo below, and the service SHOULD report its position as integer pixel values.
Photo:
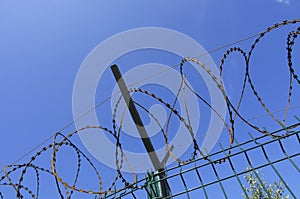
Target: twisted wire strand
(60, 140)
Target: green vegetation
(259, 189)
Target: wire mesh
(213, 175)
(223, 175)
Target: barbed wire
(66, 189)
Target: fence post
(161, 188)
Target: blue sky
(43, 44)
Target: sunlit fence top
(222, 175)
(273, 157)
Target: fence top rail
(141, 183)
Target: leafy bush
(259, 189)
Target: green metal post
(157, 185)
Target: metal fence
(222, 175)
(271, 158)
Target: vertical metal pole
(161, 184)
(136, 118)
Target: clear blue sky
(43, 43)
